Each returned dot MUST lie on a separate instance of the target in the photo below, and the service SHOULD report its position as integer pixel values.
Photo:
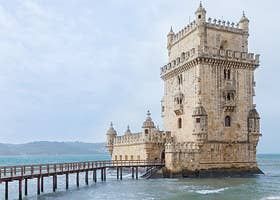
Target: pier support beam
(25, 187)
(77, 180)
(101, 171)
(121, 173)
(6, 190)
(20, 189)
(67, 181)
(104, 171)
(54, 187)
(42, 184)
(94, 176)
(86, 178)
(118, 173)
(38, 186)
(136, 173)
(132, 172)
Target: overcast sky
(69, 67)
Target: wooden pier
(22, 173)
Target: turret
(201, 21)
(253, 126)
(200, 14)
(128, 132)
(111, 135)
(244, 23)
(200, 123)
(170, 38)
(148, 124)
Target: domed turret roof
(111, 130)
(200, 9)
(128, 132)
(253, 113)
(148, 123)
(199, 110)
(243, 18)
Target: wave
(272, 198)
(211, 191)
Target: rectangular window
(197, 120)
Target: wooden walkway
(22, 173)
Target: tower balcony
(179, 109)
(229, 106)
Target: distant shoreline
(52, 148)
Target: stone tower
(208, 98)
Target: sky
(70, 67)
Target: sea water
(260, 187)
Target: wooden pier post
(67, 181)
(20, 189)
(136, 172)
(77, 180)
(86, 177)
(42, 184)
(101, 171)
(54, 183)
(25, 186)
(117, 173)
(121, 173)
(95, 175)
(132, 172)
(6, 190)
(104, 171)
(38, 185)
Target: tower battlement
(227, 55)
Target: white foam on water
(272, 198)
(211, 191)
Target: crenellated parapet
(224, 25)
(155, 136)
(133, 138)
(176, 37)
(209, 52)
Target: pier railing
(20, 171)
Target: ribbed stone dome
(200, 8)
(148, 123)
(111, 130)
(128, 132)
(243, 18)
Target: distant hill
(52, 148)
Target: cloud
(68, 68)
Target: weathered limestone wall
(185, 43)
(130, 152)
(170, 119)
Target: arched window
(228, 74)
(227, 121)
(146, 131)
(180, 79)
(180, 123)
(228, 96)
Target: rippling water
(262, 187)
